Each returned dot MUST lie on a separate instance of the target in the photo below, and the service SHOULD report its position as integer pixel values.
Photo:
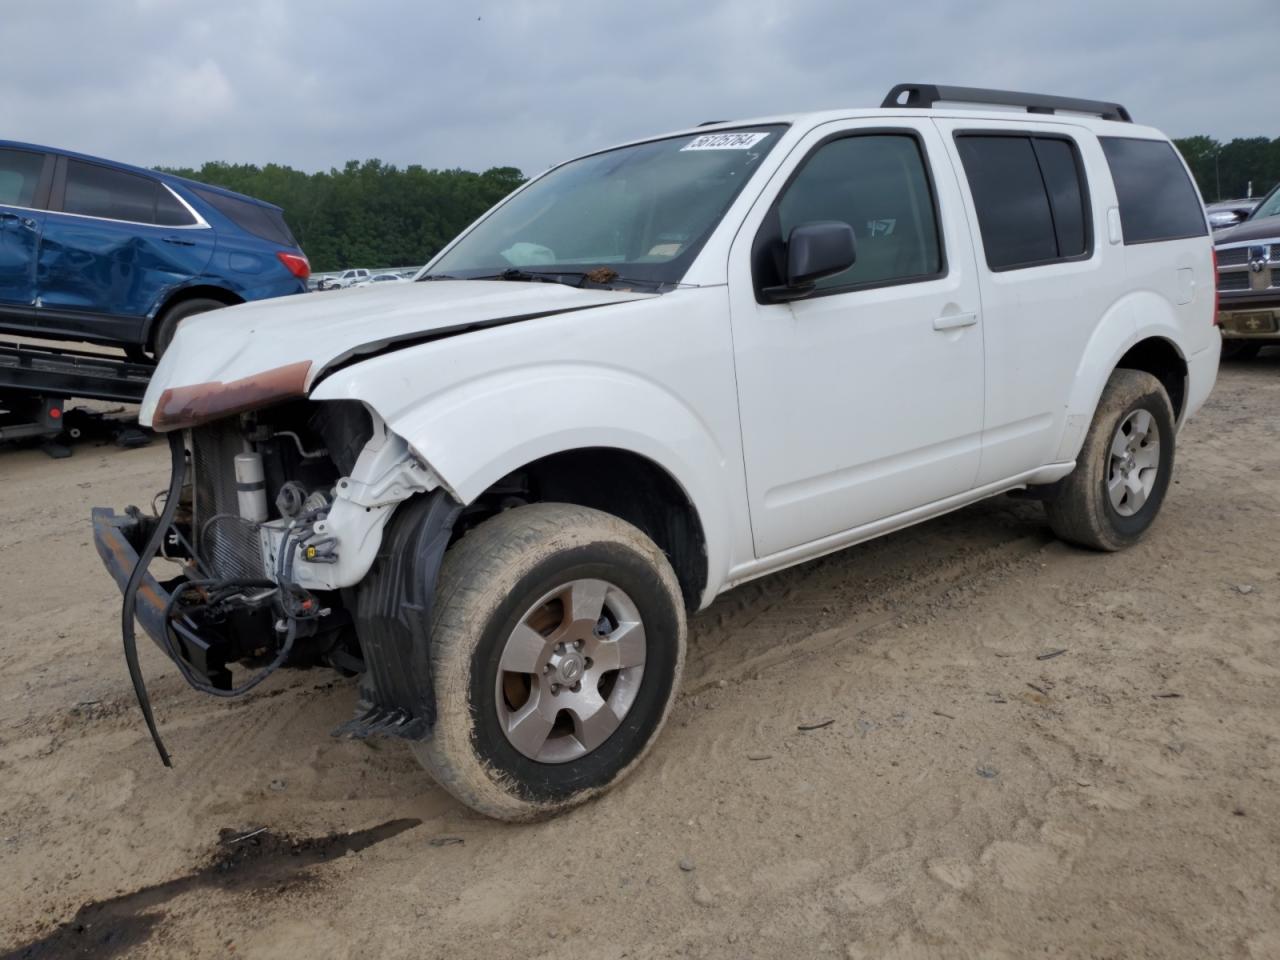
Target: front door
(863, 400)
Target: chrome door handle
(955, 321)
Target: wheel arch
(1140, 332)
(619, 482)
(198, 291)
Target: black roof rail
(925, 95)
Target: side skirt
(869, 531)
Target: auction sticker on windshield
(724, 141)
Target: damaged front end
(305, 534)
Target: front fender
(1138, 316)
(477, 431)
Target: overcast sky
(313, 84)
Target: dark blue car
(109, 253)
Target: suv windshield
(641, 213)
(1269, 207)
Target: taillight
(1214, 265)
(295, 263)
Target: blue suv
(109, 253)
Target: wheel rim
(1134, 463)
(570, 671)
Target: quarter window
(876, 183)
(95, 191)
(1030, 197)
(19, 177)
(1157, 200)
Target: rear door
(25, 176)
(1046, 276)
(115, 245)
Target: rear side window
(1157, 200)
(265, 222)
(94, 191)
(1030, 196)
(20, 177)
(170, 211)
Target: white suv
(651, 374)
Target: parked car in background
(356, 277)
(388, 278)
(1227, 213)
(115, 254)
(1249, 280)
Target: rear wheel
(1123, 470)
(168, 324)
(556, 650)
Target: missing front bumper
(116, 538)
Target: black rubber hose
(178, 456)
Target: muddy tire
(1123, 470)
(168, 324)
(557, 645)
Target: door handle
(179, 242)
(955, 321)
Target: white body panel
(794, 429)
(854, 406)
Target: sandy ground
(973, 796)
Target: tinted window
(95, 191)
(1157, 200)
(1060, 169)
(1013, 208)
(19, 177)
(170, 212)
(262, 221)
(878, 185)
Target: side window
(20, 177)
(95, 191)
(876, 183)
(1030, 197)
(1157, 200)
(170, 212)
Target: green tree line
(368, 214)
(1224, 170)
(376, 214)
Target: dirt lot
(976, 795)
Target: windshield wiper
(436, 276)
(604, 276)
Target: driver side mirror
(815, 251)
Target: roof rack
(925, 95)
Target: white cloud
(529, 82)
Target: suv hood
(1268, 228)
(322, 329)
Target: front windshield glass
(1269, 207)
(638, 213)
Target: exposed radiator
(228, 545)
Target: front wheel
(556, 650)
(1123, 470)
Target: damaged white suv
(653, 373)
